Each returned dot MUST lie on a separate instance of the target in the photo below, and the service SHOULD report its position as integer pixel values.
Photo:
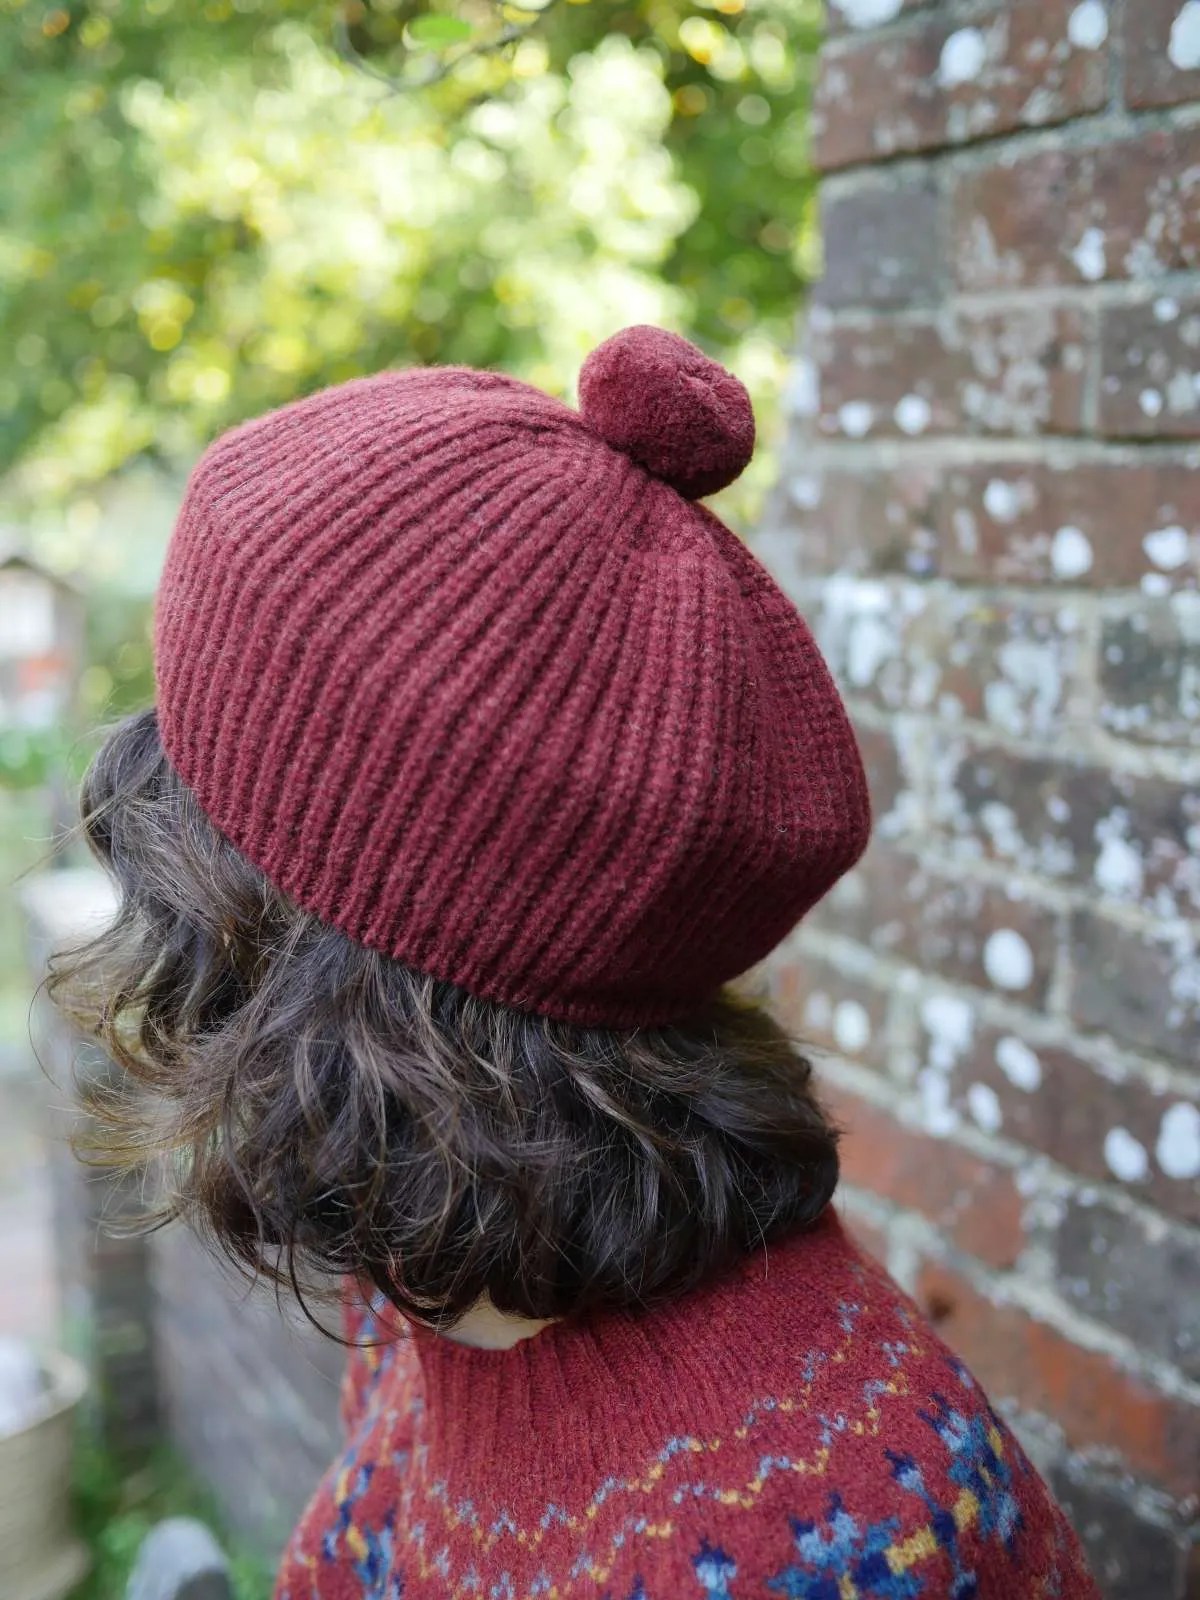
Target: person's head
(483, 759)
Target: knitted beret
(470, 676)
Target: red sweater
(794, 1429)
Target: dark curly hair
(316, 1109)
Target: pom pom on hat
(663, 403)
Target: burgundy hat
(470, 676)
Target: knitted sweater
(793, 1429)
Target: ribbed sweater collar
(584, 1394)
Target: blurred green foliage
(206, 211)
(115, 1509)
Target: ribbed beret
(471, 676)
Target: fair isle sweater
(794, 1429)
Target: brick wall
(991, 510)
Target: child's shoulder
(867, 1459)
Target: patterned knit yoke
(794, 1429)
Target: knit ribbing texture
(470, 683)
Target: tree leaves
(437, 31)
(205, 213)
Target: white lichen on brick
(913, 414)
(964, 56)
(938, 1115)
(859, 625)
(1151, 402)
(1011, 390)
(1169, 203)
(1125, 1156)
(1008, 960)
(1183, 984)
(835, 84)
(1166, 309)
(1183, 47)
(983, 265)
(805, 490)
(868, 13)
(949, 1020)
(1000, 823)
(1183, 392)
(802, 396)
(949, 1023)
(1090, 255)
(1025, 698)
(1019, 1064)
(984, 1105)
(851, 1027)
(899, 133)
(1178, 1148)
(818, 1011)
(1120, 870)
(1087, 26)
(966, 530)
(1155, 584)
(1168, 547)
(1002, 500)
(872, 641)
(855, 418)
(1070, 553)
(973, 119)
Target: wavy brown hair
(315, 1108)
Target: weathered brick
(1018, 372)
(873, 521)
(843, 15)
(1099, 524)
(869, 1235)
(828, 1010)
(1150, 672)
(1024, 369)
(1128, 839)
(1112, 1128)
(1098, 1404)
(1141, 987)
(885, 237)
(886, 379)
(885, 770)
(1162, 53)
(1126, 209)
(1044, 597)
(907, 648)
(1143, 1282)
(957, 928)
(1015, 666)
(976, 1202)
(1131, 1557)
(940, 82)
(1150, 369)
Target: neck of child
(486, 1328)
